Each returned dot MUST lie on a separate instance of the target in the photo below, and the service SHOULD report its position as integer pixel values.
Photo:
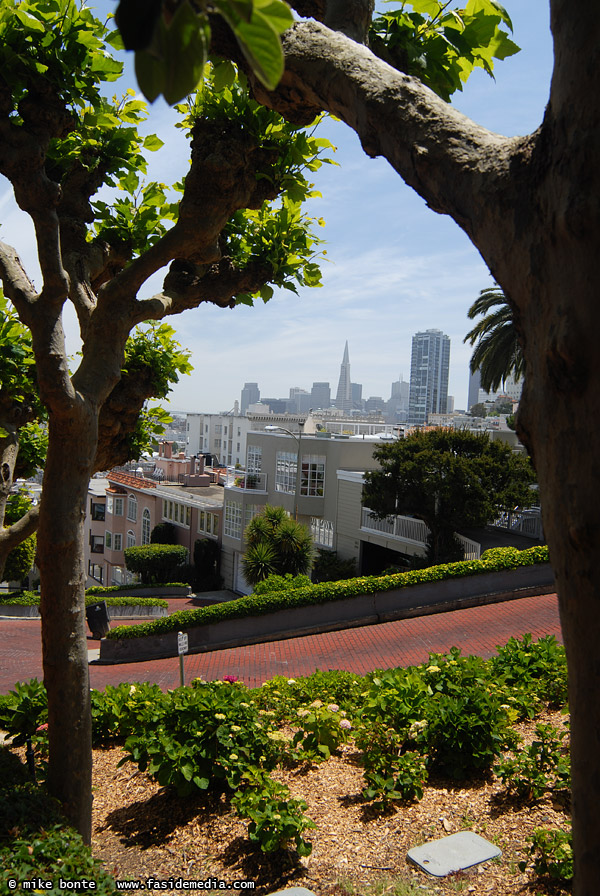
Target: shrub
(552, 854)
(287, 582)
(163, 533)
(322, 728)
(537, 670)
(540, 767)
(35, 840)
(20, 560)
(328, 567)
(119, 711)
(23, 710)
(155, 563)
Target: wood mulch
(142, 830)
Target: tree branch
(447, 158)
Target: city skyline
(393, 267)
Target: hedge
(32, 599)
(107, 589)
(259, 605)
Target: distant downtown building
(343, 399)
(429, 367)
(250, 395)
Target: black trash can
(98, 619)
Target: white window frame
(233, 520)
(312, 476)
(146, 527)
(286, 467)
(130, 538)
(132, 508)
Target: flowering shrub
(119, 711)
(541, 767)
(322, 728)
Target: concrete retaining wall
(417, 600)
(135, 611)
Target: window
(132, 508)
(96, 571)
(117, 541)
(146, 526)
(97, 544)
(114, 505)
(253, 459)
(312, 476)
(202, 521)
(130, 538)
(108, 539)
(177, 513)
(98, 511)
(233, 519)
(285, 472)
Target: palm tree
(498, 353)
(277, 545)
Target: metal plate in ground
(453, 853)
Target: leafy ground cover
(328, 780)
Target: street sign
(182, 643)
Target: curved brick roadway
(407, 641)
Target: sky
(394, 266)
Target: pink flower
(345, 723)
(230, 678)
(43, 727)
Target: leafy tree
(276, 545)
(497, 353)
(478, 410)
(449, 479)
(231, 228)
(20, 560)
(529, 205)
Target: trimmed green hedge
(259, 605)
(108, 589)
(32, 599)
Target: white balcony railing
(524, 522)
(405, 528)
(322, 532)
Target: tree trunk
(72, 447)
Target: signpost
(182, 648)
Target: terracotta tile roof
(130, 481)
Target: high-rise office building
(429, 367)
(320, 395)
(343, 399)
(250, 395)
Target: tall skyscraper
(343, 399)
(250, 395)
(429, 367)
(320, 395)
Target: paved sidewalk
(476, 630)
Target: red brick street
(478, 630)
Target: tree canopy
(497, 353)
(449, 479)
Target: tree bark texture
(64, 640)
(531, 206)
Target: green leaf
(186, 43)
(223, 75)
(260, 44)
(278, 13)
(150, 74)
(152, 143)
